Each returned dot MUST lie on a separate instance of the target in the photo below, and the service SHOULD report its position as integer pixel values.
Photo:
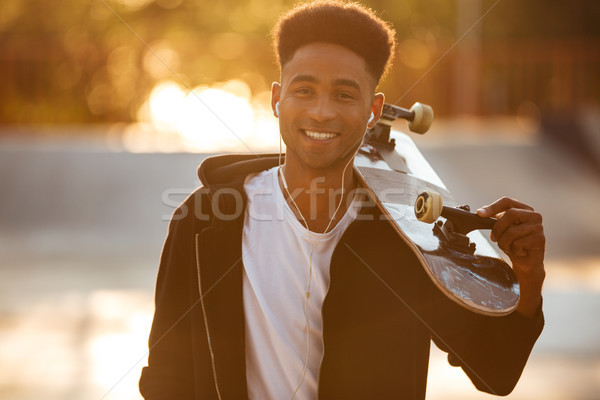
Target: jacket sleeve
(170, 372)
(491, 350)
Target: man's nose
(322, 109)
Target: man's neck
(318, 198)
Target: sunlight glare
(167, 102)
(214, 118)
(118, 348)
(223, 117)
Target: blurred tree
(97, 61)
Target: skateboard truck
(419, 117)
(459, 221)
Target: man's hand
(520, 234)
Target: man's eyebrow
(347, 82)
(304, 78)
(337, 82)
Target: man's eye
(303, 91)
(345, 95)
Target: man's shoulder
(222, 195)
(231, 170)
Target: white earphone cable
(313, 244)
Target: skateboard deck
(475, 277)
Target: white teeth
(319, 136)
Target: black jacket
(379, 315)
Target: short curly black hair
(348, 24)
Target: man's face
(325, 100)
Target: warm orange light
(224, 117)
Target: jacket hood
(223, 178)
(231, 169)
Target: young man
(280, 282)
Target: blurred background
(108, 106)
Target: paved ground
(81, 229)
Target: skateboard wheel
(423, 117)
(428, 206)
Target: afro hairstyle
(347, 24)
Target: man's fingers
(520, 238)
(519, 230)
(501, 205)
(515, 217)
(532, 243)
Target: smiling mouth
(319, 135)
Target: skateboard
(444, 236)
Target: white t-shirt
(276, 251)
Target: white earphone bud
(371, 118)
(277, 109)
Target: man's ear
(377, 108)
(275, 92)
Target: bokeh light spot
(133, 4)
(162, 60)
(414, 54)
(11, 10)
